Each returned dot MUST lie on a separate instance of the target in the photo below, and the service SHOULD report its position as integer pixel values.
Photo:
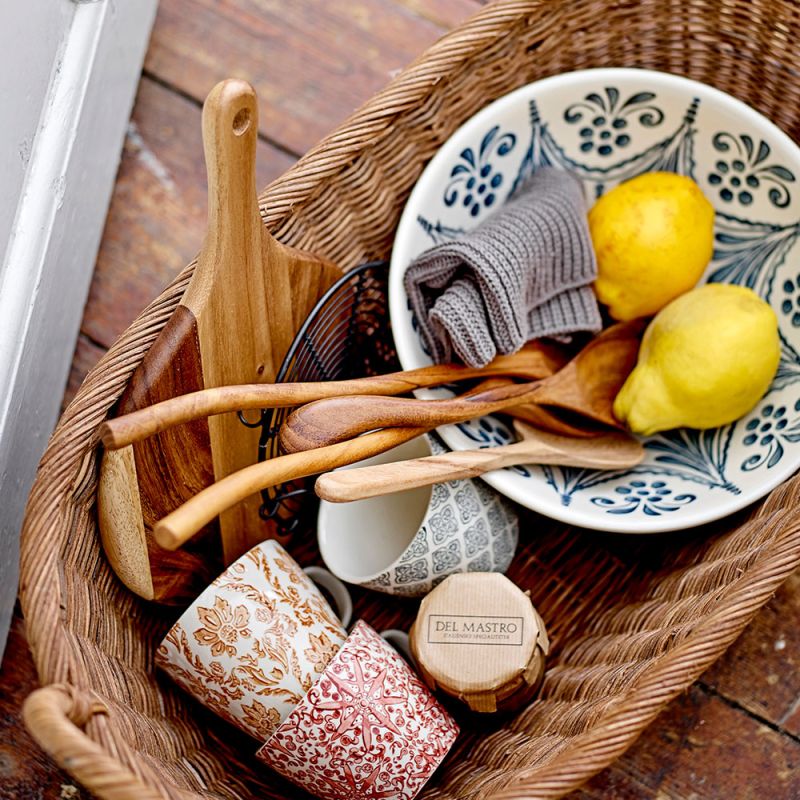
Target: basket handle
(55, 716)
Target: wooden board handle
(232, 245)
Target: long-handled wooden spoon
(179, 526)
(183, 523)
(615, 450)
(533, 362)
(587, 385)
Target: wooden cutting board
(247, 298)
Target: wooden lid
(478, 637)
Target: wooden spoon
(587, 385)
(555, 420)
(183, 523)
(534, 361)
(612, 451)
(179, 526)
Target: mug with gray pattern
(408, 542)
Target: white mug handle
(399, 640)
(338, 591)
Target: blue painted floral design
(788, 367)
(605, 119)
(653, 498)
(476, 538)
(491, 432)
(753, 249)
(503, 547)
(675, 153)
(568, 481)
(791, 302)
(481, 564)
(418, 547)
(699, 456)
(443, 525)
(767, 432)
(749, 253)
(474, 180)
(447, 557)
(487, 432)
(437, 231)
(745, 171)
(408, 573)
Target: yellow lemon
(653, 236)
(706, 359)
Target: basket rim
(64, 483)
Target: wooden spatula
(615, 450)
(248, 296)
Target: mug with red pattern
(367, 728)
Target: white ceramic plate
(605, 126)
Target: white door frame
(50, 250)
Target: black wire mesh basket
(346, 335)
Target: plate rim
(398, 303)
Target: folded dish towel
(522, 274)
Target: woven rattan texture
(633, 623)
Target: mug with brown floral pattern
(257, 639)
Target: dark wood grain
(445, 13)
(312, 63)
(166, 477)
(171, 367)
(762, 673)
(26, 773)
(701, 748)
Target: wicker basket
(632, 625)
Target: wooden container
(478, 638)
(632, 622)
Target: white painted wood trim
(50, 256)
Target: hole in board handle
(241, 122)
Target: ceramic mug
(368, 728)
(409, 542)
(257, 639)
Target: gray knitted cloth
(524, 273)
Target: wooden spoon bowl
(587, 386)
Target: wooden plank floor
(736, 733)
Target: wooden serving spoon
(534, 361)
(615, 450)
(587, 385)
(185, 521)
